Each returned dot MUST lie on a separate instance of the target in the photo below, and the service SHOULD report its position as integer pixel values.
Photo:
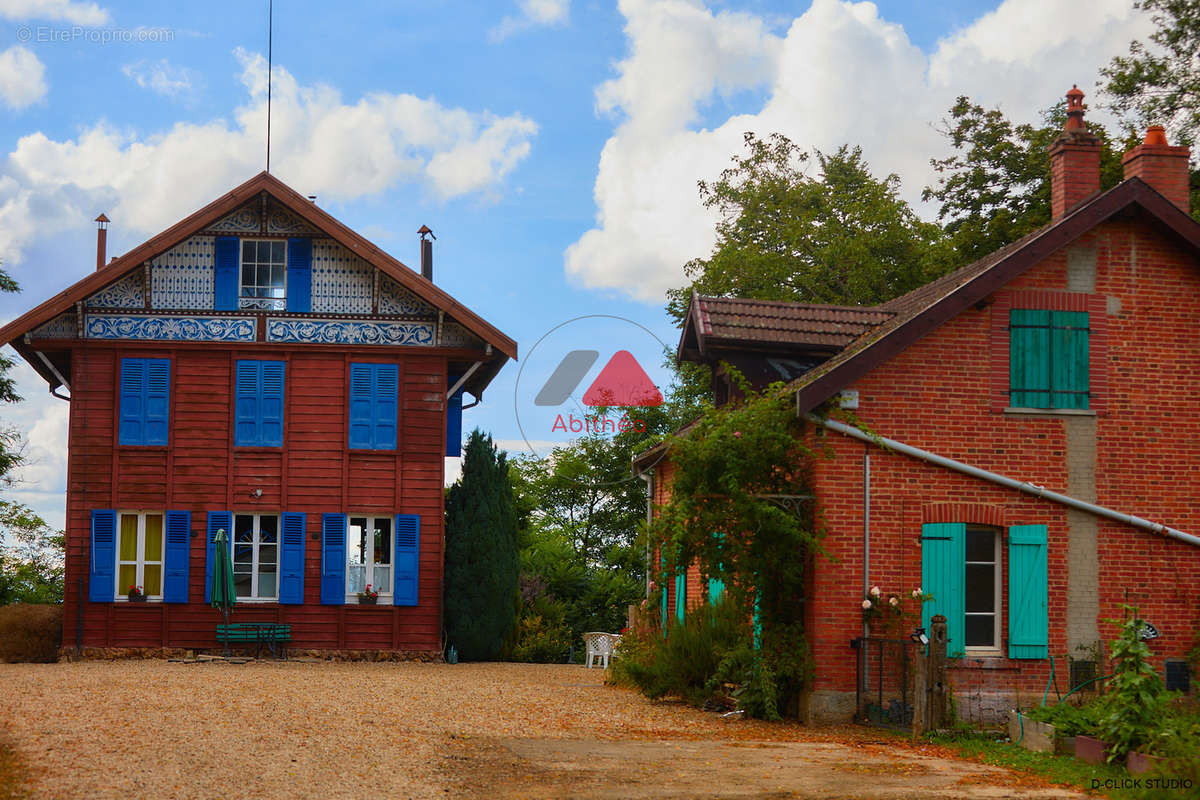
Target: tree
(10, 440)
(996, 187)
(31, 557)
(1160, 84)
(843, 237)
(481, 552)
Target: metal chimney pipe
(426, 253)
(101, 240)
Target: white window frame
(997, 579)
(122, 592)
(255, 544)
(369, 556)
(254, 302)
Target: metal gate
(883, 690)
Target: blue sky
(552, 145)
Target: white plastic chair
(600, 646)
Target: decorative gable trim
(129, 292)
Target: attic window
(263, 274)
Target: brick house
(1041, 415)
(262, 369)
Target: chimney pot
(101, 240)
(1074, 160)
(1162, 166)
(426, 252)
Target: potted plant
(368, 596)
(135, 594)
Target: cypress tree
(481, 553)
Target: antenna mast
(270, 26)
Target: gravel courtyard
(130, 729)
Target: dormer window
(263, 274)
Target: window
(373, 406)
(1048, 359)
(258, 418)
(140, 554)
(145, 391)
(982, 590)
(383, 551)
(961, 567)
(256, 556)
(369, 555)
(263, 275)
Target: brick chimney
(1162, 166)
(1074, 160)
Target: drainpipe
(1021, 486)
(866, 528)
(648, 477)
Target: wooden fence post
(920, 717)
(936, 674)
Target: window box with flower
(135, 594)
(369, 596)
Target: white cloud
(533, 13)
(161, 76)
(65, 10)
(22, 78)
(320, 144)
(839, 74)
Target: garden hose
(1047, 692)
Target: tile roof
(736, 320)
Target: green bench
(272, 634)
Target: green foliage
(542, 635)
(481, 553)
(1136, 696)
(1071, 720)
(31, 557)
(721, 516)
(1159, 84)
(996, 187)
(30, 633)
(843, 237)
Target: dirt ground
(331, 730)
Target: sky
(553, 146)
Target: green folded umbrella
(222, 593)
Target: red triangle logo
(622, 383)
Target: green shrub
(30, 632)
(1136, 696)
(1071, 720)
(542, 635)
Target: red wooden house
(1040, 411)
(261, 369)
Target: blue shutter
(217, 520)
(291, 560)
(333, 559)
(361, 406)
(131, 428)
(247, 390)
(270, 407)
(943, 574)
(102, 577)
(225, 274)
(681, 595)
(177, 556)
(406, 560)
(454, 420)
(387, 388)
(158, 400)
(1028, 595)
(299, 275)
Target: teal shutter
(271, 404)
(247, 389)
(716, 587)
(1069, 352)
(299, 275)
(102, 576)
(362, 395)
(225, 273)
(756, 619)
(131, 427)
(333, 559)
(943, 574)
(387, 388)
(681, 595)
(662, 572)
(177, 556)
(291, 560)
(406, 560)
(1029, 358)
(1028, 594)
(158, 400)
(217, 520)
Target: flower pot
(1031, 735)
(137, 598)
(1091, 750)
(368, 601)
(1137, 763)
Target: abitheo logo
(621, 384)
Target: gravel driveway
(130, 729)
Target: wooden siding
(200, 471)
